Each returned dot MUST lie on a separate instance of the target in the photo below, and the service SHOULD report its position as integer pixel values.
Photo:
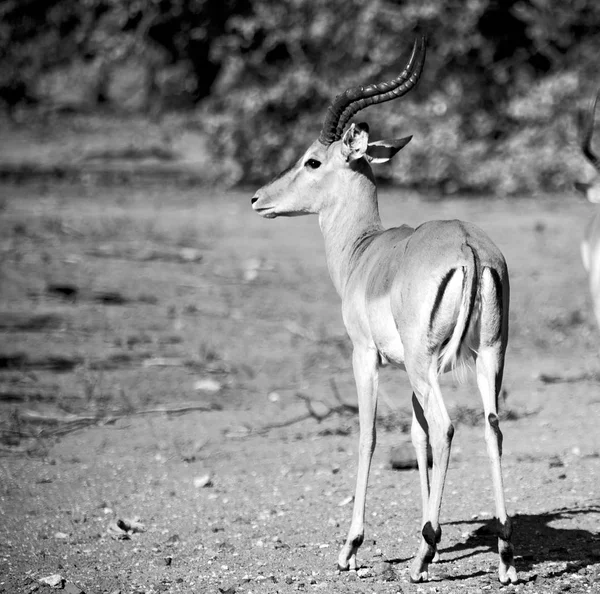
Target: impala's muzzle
(264, 210)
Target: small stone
(71, 588)
(168, 560)
(403, 457)
(207, 384)
(201, 482)
(363, 572)
(54, 580)
(61, 535)
(131, 525)
(346, 501)
(190, 254)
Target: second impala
(590, 245)
(426, 299)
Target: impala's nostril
(254, 199)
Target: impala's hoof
(342, 568)
(509, 577)
(421, 577)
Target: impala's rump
(470, 295)
(445, 309)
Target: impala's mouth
(266, 212)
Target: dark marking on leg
(430, 535)
(432, 538)
(494, 422)
(507, 555)
(450, 432)
(505, 529)
(357, 541)
(429, 556)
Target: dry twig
(71, 423)
(342, 409)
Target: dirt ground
(119, 302)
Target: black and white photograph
(299, 296)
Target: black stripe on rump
(499, 299)
(439, 296)
(474, 289)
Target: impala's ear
(355, 141)
(383, 150)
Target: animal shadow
(536, 540)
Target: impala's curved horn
(588, 131)
(357, 98)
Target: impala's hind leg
(489, 379)
(419, 433)
(420, 439)
(490, 367)
(429, 396)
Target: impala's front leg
(365, 365)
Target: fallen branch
(548, 378)
(71, 423)
(338, 397)
(342, 409)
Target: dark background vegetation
(496, 110)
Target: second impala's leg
(365, 364)
(441, 432)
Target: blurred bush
(496, 109)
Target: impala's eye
(313, 164)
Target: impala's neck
(351, 219)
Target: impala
(427, 300)
(590, 245)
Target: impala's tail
(458, 348)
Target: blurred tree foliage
(496, 108)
